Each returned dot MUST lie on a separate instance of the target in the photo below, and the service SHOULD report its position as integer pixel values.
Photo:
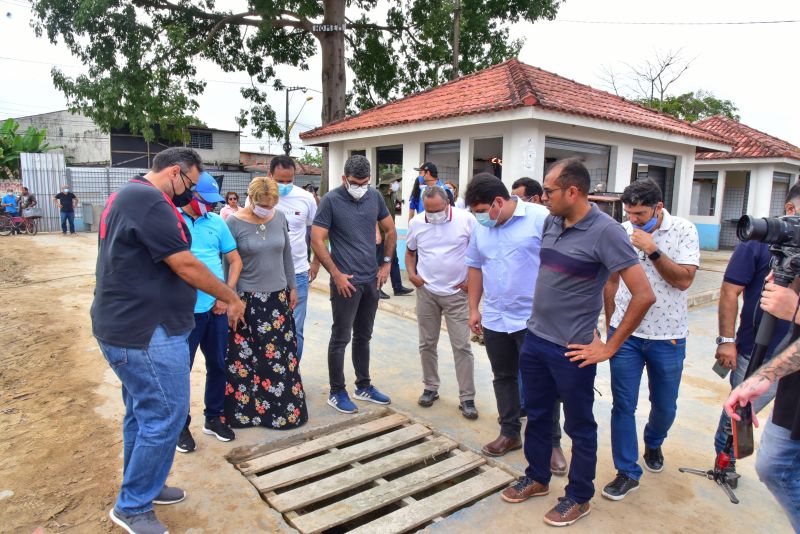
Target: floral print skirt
(264, 386)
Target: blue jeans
(663, 359)
(778, 467)
(211, 335)
(300, 309)
(737, 376)
(68, 217)
(155, 390)
(548, 375)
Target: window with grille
(200, 140)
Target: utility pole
(456, 37)
(287, 146)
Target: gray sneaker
(170, 495)
(145, 523)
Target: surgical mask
(66, 189)
(262, 213)
(395, 187)
(284, 189)
(650, 225)
(485, 220)
(437, 217)
(357, 191)
(421, 178)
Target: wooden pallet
(351, 478)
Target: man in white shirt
(300, 208)
(669, 252)
(436, 245)
(503, 261)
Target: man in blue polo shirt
(211, 239)
(581, 247)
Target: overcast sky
(754, 65)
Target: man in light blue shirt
(503, 261)
(211, 239)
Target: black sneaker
(427, 398)
(653, 459)
(185, 441)
(468, 409)
(215, 427)
(617, 489)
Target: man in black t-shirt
(142, 314)
(777, 463)
(67, 202)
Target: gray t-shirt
(351, 231)
(575, 265)
(266, 253)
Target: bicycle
(8, 223)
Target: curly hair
(263, 189)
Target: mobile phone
(720, 369)
(743, 432)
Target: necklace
(263, 231)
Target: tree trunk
(334, 81)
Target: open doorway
(734, 205)
(389, 170)
(658, 167)
(445, 155)
(487, 156)
(595, 157)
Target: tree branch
(224, 22)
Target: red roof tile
(510, 85)
(747, 142)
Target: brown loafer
(558, 463)
(524, 489)
(501, 446)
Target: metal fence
(44, 175)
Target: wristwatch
(387, 259)
(654, 255)
(721, 340)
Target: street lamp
(287, 146)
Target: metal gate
(43, 175)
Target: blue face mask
(421, 178)
(650, 225)
(485, 220)
(284, 189)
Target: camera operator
(778, 461)
(745, 274)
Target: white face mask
(436, 217)
(262, 213)
(395, 186)
(357, 191)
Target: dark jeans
(68, 217)
(503, 351)
(356, 316)
(547, 375)
(394, 273)
(211, 335)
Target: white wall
(225, 148)
(82, 142)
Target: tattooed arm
(784, 364)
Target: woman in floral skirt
(264, 386)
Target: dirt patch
(60, 462)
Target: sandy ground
(60, 422)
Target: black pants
(503, 351)
(394, 273)
(354, 315)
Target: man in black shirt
(777, 463)
(142, 314)
(66, 202)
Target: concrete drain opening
(380, 473)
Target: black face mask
(184, 198)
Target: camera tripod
(724, 479)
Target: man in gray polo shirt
(346, 218)
(581, 247)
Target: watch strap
(655, 254)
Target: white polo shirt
(668, 317)
(441, 249)
(300, 208)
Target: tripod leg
(727, 489)
(697, 472)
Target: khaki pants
(430, 308)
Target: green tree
(13, 144)
(694, 106)
(311, 156)
(140, 54)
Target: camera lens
(751, 229)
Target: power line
(679, 23)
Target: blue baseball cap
(208, 188)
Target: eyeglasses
(549, 192)
(192, 186)
(233, 198)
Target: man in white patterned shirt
(669, 252)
